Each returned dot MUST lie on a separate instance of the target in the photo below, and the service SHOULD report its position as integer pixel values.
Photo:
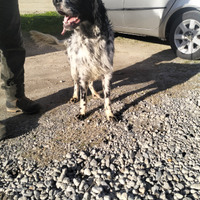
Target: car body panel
(145, 17)
(116, 9)
(149, 13)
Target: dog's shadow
(152, 74)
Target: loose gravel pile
(153, 152)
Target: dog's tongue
(68, 21)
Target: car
(177, 21)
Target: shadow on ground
(148, 39)
(153, 73)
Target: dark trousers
(12, 50)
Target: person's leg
(12, 73)
(13, 53)
(12, 59)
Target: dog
(90, 48)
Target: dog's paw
(80, 116)
(96, 96)
(112, 118)
(74, 100)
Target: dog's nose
(56, 2)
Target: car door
(141, 15)
(115, 13)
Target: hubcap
(187, 36)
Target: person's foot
(23, 104)
(2, 131)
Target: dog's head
(74, 12)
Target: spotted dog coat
(90, 48)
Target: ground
(144, 67)
(152, 152)
(137, 61)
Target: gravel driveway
(153, 152)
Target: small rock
(124, 196)
(158, 164)
(82, 185)
(107, 197)
(158, 175)
(63, 174)
(154, 189)
(195, 186)
(83, 155)
(121, 180)
(97, 189)
(166, 186)
(24, 180)
(40, 185)
(86, 196)
(76, 182)
(66, 180)
(178, 195)
(131, 197)
(93, 163)
(142, 190)
(36, 194)
(69, 155)
(180, 186)
(70, 189)
(60, 185)
(141, 172)
(87, 172)
(43, 196)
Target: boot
(23, 104)
(2, 131)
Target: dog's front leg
(83, 99)
(74, 99)
(95, 95)
(107, 105)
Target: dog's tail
(42, 39)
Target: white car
(175, 20)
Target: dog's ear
(99, 11)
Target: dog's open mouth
(68, 22)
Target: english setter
(90, 48)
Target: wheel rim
(187, 36)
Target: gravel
(152, 152)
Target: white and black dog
(90, 48)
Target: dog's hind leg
(107, 105)
(95, 95)
(74, 99)
(83, 99)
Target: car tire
(184, 36)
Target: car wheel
(184, 36)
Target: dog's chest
(83, 50)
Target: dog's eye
(55, 2)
